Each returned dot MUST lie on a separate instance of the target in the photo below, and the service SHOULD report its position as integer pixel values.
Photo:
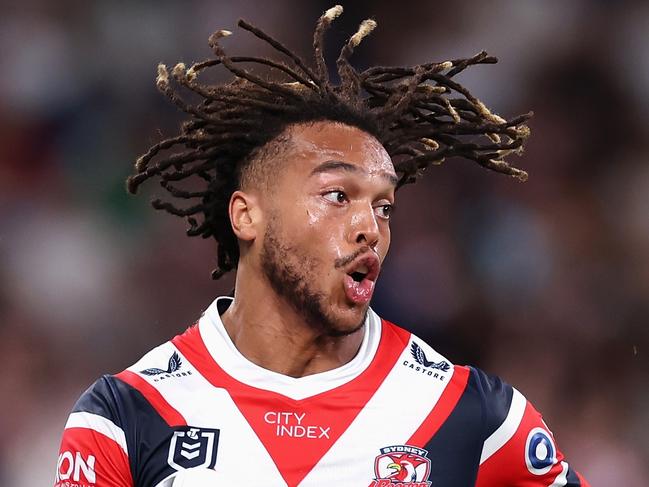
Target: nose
(364, 227)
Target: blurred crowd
(544, 283)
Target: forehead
(314, 143)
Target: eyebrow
(328, 166)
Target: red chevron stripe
(335, 409)
(441, 411)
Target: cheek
(329, 235)
(313, 228)
(319, 217)
(384, 243)
(324, 231)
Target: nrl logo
(401, 466)
(419, 355)
(192, 447)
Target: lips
(360, 278)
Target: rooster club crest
(193, 447)
(401, 466)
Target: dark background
(544, 283)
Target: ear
(244, 215)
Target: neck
(270, 333)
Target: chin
(348, 321)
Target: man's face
(327, 226)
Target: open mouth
(358, 276)
(361, 277)
(366, 266)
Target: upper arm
(94, 451)
(519, 449)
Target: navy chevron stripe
(497, 396)
(457, 445)
(572, 478)
(99, 399)
(147, 434)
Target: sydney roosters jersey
(399, 414)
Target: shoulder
(513, 442)
(502, 404)
(115, 396)
(486, 402)
(163, 359)
(98, 410)
(518, 445)
(493, 419)
(122, 397)
(495, 395)
(102, 399)
(121, 419)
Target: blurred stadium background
(544, 283)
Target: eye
(335, 196)
(384, 211)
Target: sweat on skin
(326, 217)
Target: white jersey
(398, 414)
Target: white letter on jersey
(75, 465)
(64, 475)
(88, 468)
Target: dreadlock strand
(143, 160)
(452, 111)
(318, 43)
(281, 48)
(195, 229)
(503, 168)
(242, 73)
(376, 71)
(134, 181)
(185, 173)
(481, 107)
(159, 204)
(191, 73)
(415, 164)
(224, 263)
(279, 66)
(418, 113)
(181, 193)
(179, 159)
(383, 74)
(163, 84)
(460, 65)
(403, 102)
(349, 77)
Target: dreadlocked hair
(419, 114)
